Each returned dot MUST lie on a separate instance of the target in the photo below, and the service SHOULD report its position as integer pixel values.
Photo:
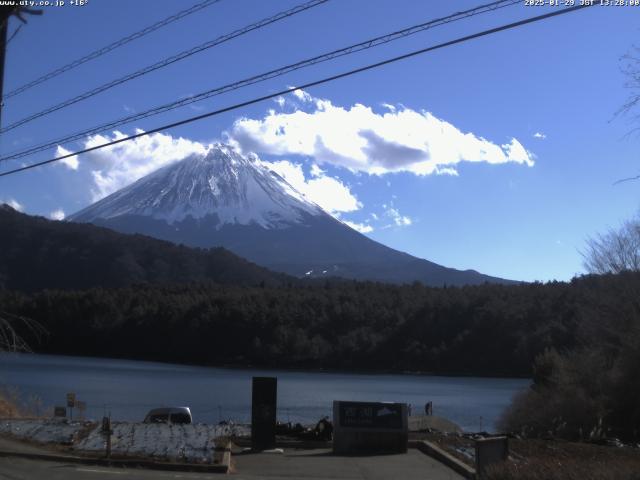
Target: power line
(367, 44)
(168, 61)
(310, 84)
(15, 32)
(112, 46)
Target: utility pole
(5, 13)
(4, 26)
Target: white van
(178, 415)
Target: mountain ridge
(224, 199)
(37, 253)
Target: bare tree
(616, 251)
(10, 338)
(630, 67)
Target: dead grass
(552, 459)
(13, 405)
(545, 469)
(9, 405)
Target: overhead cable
(167, 61)
(365, 45)
(349, 73)
(112, 46)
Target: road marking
(100, 471)
(158, 474)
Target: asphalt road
(12, 468)
(322, 464)
(293, 464)
(315, 464)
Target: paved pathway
(22, 469)
(422, 422)
(321, 464)
(316, 464)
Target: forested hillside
(37, 253)
(480, 330)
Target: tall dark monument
(264, 396)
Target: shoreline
(287, 369)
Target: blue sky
(420, 154)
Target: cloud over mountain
(13, 203)
(57, 214)
(115, 167)
(397, 140)
(330, 193)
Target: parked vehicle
(177, 415)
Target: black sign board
(371, 415)
(59, 411)
(264, 396)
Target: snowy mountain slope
(238, 190)
(224, 199)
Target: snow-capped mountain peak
(224, 199)
(220, 183)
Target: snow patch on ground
(193, 443)
(42, 431)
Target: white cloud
(115, 167)
(71, 162)
(447, 171)
(13, 203)
(539, 135)
(330, 193)
(388, 106)
(398, 219)
(316, 171)
(360, 227)
(399, 140)
(57, 214)
(517, 153)
(302, 95)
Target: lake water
(128, 389)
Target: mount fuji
(225, 199)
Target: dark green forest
(37, 253)
(479, 330)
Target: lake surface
(128, 389)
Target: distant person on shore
(428, 408)
(324, 429)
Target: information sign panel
(370, 427)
